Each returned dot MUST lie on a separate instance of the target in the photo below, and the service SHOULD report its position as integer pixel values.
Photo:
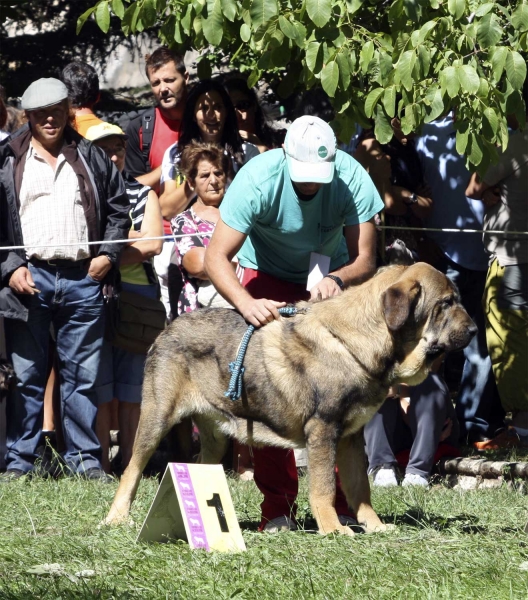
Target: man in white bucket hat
(301, 221)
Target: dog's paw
(112, 520)
(340, 529)
(377, 527)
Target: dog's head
(424, 314)
(7, 378)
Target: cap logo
(322, 151)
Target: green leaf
(119, 8)
(372, 100)
(484, 9)
(314, 57)
(253, 78)
(319, 11)
(330, 78)
(498, 62)
(102, 16)
(469, 80)
(287, 28)
(437, 107)
(149, 13)
(425, 31)
(515, 69)
(261, 11)
(413, 9)
(245, 33)
(504, 134)
(475, 150)
(344, 68)
(483, 91)
(281, 56)
(366, 55)
(405, 68)
(519, 17)
(213, 26)
(449, 81)
(457, 8)
(187, 19)
(386, 69)
(83, 18)
(462, 138)
(490, 123)
(382, 126)
(423, 61)
(204, 68)
(229, 8)
(489, 31)
(389, 101)
(301, 33)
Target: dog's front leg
(321, 447)
(351, 463)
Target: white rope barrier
(173, 237)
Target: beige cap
(98, 132)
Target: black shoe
(13, 475)
(97, 474)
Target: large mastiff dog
(311, 380)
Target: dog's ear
(397, 302)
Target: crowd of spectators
(69, 179)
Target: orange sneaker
(508, 438)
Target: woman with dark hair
(252, 124)
(209, 117)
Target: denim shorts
(121, 372)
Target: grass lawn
(447, 544)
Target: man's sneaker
(277, 524)
(414, 479)
(508, 438)
(384, 476)
(97, 474)
(12, 475)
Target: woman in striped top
(121, 373)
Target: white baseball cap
(310, 148)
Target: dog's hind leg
(158, 416)
(213, 443)
(321, 448)
(351, 463)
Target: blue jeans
(478, 405)
(72, 301)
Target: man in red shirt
(153, 131)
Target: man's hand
(326, 288)
(491, 196)
(99, 267)
(259, 312)
(21, 282)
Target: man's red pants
(275, 468)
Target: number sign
(193, 503)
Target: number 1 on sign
(216, 503)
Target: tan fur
(312, 380)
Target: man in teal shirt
(301, 222)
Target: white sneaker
(278, 524)
(385, 477)
(414, 479)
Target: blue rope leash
(236, 369)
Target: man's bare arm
(479, 190)
(361, 244)
(224, 245)
(151, 179)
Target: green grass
(447, 544)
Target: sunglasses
(244, 105)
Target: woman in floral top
(206, 168)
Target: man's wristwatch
(337, 279)
(413, 199)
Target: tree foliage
(39, 39)
(376, 59)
